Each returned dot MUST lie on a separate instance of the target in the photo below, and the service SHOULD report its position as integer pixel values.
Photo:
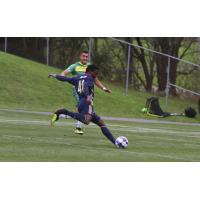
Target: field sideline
(28, 137)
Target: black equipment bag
(153, 107)
(190, 112)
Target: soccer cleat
(54, 118)
(78, 131)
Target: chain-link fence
(149, 69)
(187, 79)
(134, 66)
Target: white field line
(159, 130)
(166, 139)
(32, 122)
(111, 118)
(99, 148)
(183, 141)
(120, 128)
(128, 128)
(43, 122)
(145, 140)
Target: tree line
(146, 68)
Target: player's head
(93, 70)
(84, 57)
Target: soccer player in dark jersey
(84, 85)
(77, 69)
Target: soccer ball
(121, 142)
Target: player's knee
(101, 123)
(87, 119)
(86, 122)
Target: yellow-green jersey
(77, 68)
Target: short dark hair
(84, 51)
(92, 68)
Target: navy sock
(61, 111)
(108, 134)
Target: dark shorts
(84, 108)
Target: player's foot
(54, 118)
(78, 131)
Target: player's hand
(51, 75)
(107, 90)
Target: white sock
(78, 124)
(64, 116)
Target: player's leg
(84, 114)
(85, 111)
(84, 118)
(98, 121)
(78, 128)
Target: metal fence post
(5, 45)
(168, 81)
(127, 69)
(47, 52)
(90, 49)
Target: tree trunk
(142, 58)
(173, 75)
(162, 63)
(168, 46)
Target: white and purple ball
(121, 142)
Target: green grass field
(29, 137)
(24, 85)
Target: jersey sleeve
(66, 79)
(71, 68)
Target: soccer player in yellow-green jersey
(80, 68)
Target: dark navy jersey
(84, 84)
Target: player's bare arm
(101, 86)
(65, 72)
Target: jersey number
(81, 86)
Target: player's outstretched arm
(62, 78)
(65, 72)
(51, 75)
(101, 86)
